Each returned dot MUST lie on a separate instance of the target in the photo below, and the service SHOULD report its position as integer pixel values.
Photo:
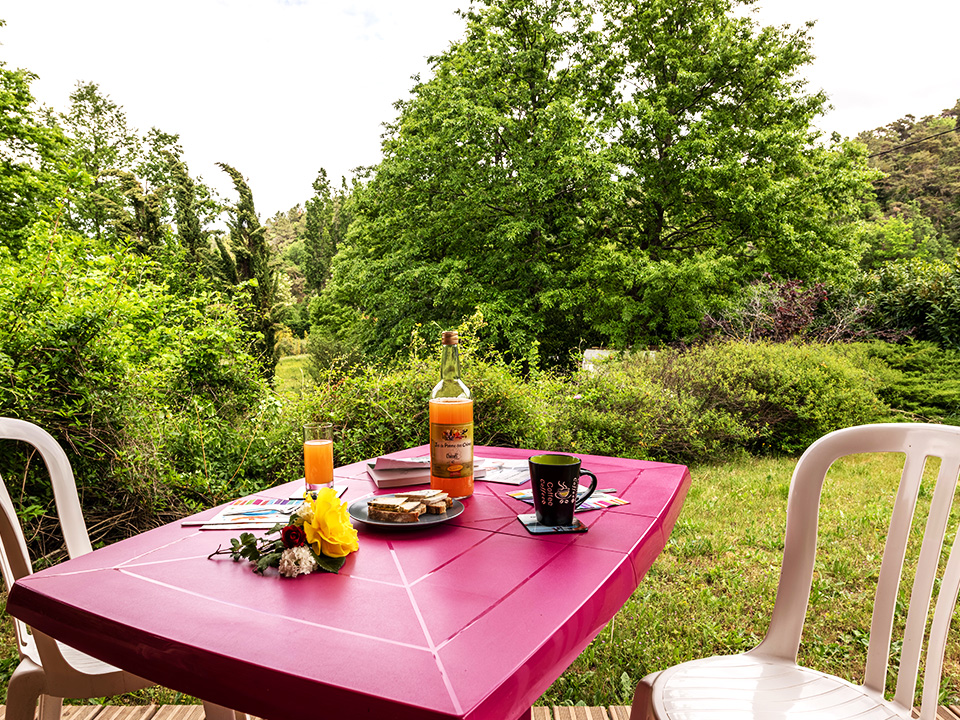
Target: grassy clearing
(291, 374)
(712, 589)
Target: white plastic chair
(49, 670)
(766, 683)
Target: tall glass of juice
(318, 456)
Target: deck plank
(619, 712)
(579, 712)
(80, 712)
(128, 712)
(179, 712)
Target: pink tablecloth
(473, 618)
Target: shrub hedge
(185, 421)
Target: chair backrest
(14, 556)
(61, 477)
(917, 442)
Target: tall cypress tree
(192, 238)
(253, 270)
(324, 228)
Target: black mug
(554, 480)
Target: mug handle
(590, 490)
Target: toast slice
(394, 509)
(392, 517)
(422, 495)
(388, 503)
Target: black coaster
(531, 524)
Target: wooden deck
(195, 712)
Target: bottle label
(451, 450)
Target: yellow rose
(329, 530)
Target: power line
(914, 142)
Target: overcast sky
(281, 88)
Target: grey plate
(358, 511)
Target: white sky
(281, 88)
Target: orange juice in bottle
(451, 425)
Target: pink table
(473, 618)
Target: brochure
(249, 513)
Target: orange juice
(451, 445)
(318, 463)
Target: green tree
(283, 234)
(325, 224)
(29, 149)
(153, 166)
(597, 171)
(721, 174)
(904, 235)
(102, 146)
(248, 266)
(141, 218)
(191, 200)
(490, 193)
(284, 229)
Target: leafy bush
(162, 408)
(720, 399)
(624, 410)
(787, 395)
(920, 297)
(155, 397)
(378, 409)
(923, 380)
(717, 400)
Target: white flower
(297, 561)
(305, 512)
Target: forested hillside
(570, 173)
(920, 187)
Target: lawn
(712, 589)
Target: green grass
(291, 374)
(712, 589)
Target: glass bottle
(451, 425)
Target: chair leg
(50, 707)
(212, 711)
(24, 690)
(642, 708)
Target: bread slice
(390, 503)
(411, 506)
(422, 495)
(436, 508)
(395, 509)
(392, 517)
